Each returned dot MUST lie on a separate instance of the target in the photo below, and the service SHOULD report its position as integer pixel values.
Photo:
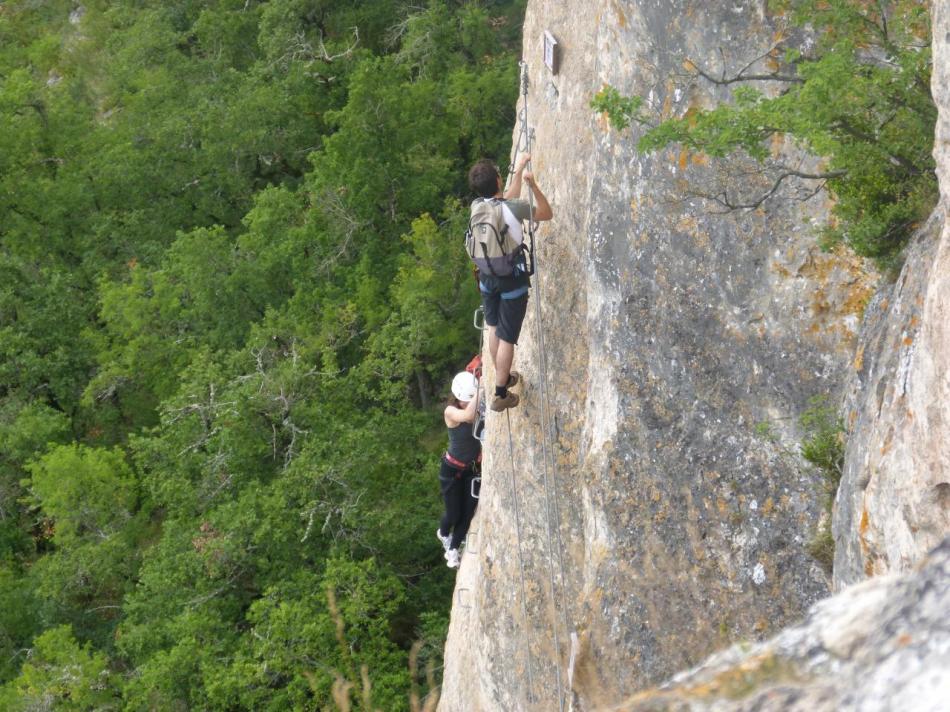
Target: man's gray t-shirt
(515, 211)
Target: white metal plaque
(550, 52)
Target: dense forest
(231, 294)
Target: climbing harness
(458, 464)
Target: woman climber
(459, 465)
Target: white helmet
(464, 386)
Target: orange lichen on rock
(863, 527)
(780, 269)
(736, 682)
(621, 15)
(687, 223)
(886, 445)
(667, 109)
(858, 297)
(859, 358)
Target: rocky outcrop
(880, 646)
(893, 504)
(653, 504)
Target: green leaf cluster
(620, 110)
(232, 293)
(823, 446)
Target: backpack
(489, 242)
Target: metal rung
(471, 543)
(463, 600)
(479, 481)
(478, 430)
(478, 320)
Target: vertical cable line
(514, 500)
(524, 603)
(550, 491)
(525, 136)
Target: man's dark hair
(483, 178)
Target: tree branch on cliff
(730, 204)
(741, 75)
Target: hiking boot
(513, 379)
(509, 401)
(452, 558)
(446, 540)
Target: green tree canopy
(232, 291)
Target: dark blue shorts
(504, 309)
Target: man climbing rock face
(504, 293)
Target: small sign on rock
(550, 52)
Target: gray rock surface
(893, 504)
(672, 516)
(880, 646)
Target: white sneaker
(452, 558)
(446, 540)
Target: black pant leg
(451, 485)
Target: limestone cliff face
(880, 646)
(894, 501)
(658, 511)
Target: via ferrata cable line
(514, 500)
(547, 420)
(523, 144)
(525, 137)
(542, 403)
(524, 601)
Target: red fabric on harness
(475, 366)
(458, 463)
